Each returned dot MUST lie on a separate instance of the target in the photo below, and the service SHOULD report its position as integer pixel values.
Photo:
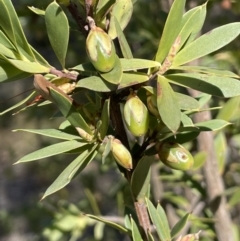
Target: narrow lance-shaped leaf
(58, 30)
(164, 220)
(230, 109)
(197, 21)
(221, 149)
(207, 43)
(135, 64)
(54, 133)
(210, 84)
(109, 223)
(135, 231)
(179, 225)
(140, 180)
(11, 26)
(37, 11)
(122, 11)
(52, 150)
(171, 29)
(134, 78)
(158, 222)
(167, 104)
(105, 118)
(18, 104)
(190, 23)
(125, 48)
(76, 166)
(6, 42)
(96, 83)
(9, 73)
(206, 70)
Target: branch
(213, 179)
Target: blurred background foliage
(100, 189)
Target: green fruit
(121, 154)
(175, 156)
(100, 50)
(152, 105)
(136, 116)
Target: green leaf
(150, 237)
(105, 118)
(211, 125)
(206, 70)
(230, 109)
(115, 75)
(122, 11)
(140, 180)
(69, 111)
(96, 83)
(213, 85)
(52, 150)
(199, 160)
(203, 99)
(158, 218)
(187, 102)
(6, 42)
(11, 26)
(194, 19)
(125, 48)
(181, 137)
(134, 78)
(167, 103)
(186, 121)
(57, 30)
(109, 223)
(135, 231)
(107, 150)
(85, 67)
(54, 133)
(171, 29)
(134, 64)
(76, 166)
(165, 225)
(102, 9)
(18, 104)
(235, 198)
(179, 225)
(7, 52)
(10, 73)
(221, 149)
(37, 11)
(29, 67)
(39, 58)
(207, 43)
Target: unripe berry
(100, 50)
(175, 156)
(136, 116)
